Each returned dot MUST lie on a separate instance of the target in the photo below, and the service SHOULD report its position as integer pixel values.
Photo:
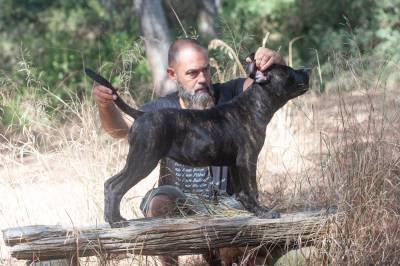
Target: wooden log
(156, 236)
(56, 262)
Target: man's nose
(202, 76)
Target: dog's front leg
(247, 191)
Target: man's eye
(193, 74)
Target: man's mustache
(201, 89)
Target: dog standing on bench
(229, 134)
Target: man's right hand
(103, 96)
(111, 118)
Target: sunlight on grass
(338, 148)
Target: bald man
(178, 185)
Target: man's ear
(171, 73)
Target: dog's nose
(302, 77)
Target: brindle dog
(230, 134)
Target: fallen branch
(181, 236)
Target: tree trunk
(109, 5)
(206, 19)
(155, 33)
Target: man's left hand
(266, 57)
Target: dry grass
(339, 148)
(343, 148)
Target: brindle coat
(230, 134)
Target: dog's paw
(115, 221)
(266, 213)
(120, 224)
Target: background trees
(126, 40)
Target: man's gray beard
(199, 101)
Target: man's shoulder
(168, 101)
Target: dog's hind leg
(140, 162)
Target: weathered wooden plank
(59, 262)
(180, 236)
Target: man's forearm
(113, 122)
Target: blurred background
(336, 145)
(54, 40)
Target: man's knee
(160, 206)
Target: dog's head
(280, 80)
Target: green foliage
(365, 26)
(55, 39)
(355, 27)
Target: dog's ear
(262, 77)
(251, 68)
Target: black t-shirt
(198, 180)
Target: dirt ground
(65, 185)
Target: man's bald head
(182, 44)
(189, 67)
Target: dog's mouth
(301, 86)
(302, 90)
(301, 77)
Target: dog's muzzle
(301, 77)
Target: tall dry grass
(52, 169)
(339, 148)
(342, 149)
(360, 164)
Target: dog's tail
(119, 102)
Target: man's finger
(267, 64)
(104, 89)
(105, 95)
(262, 61)
(248, 60)
(103, 102)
